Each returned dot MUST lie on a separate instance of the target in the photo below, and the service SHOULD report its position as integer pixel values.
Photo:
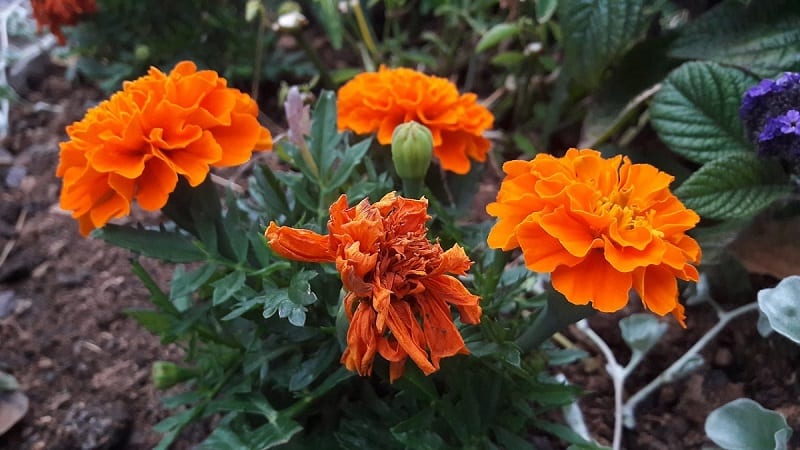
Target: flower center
(628, 216)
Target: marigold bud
(412, 150)
(167, 374)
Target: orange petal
(441, 335)
(543, 252)
(156, 183)
(573, 234)
(658, 288)
(406, 330)
(593, 280)
(298, 245)
(362, 341)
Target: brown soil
(85, 365)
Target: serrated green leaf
(224, 439)
(274, 433)
(597, 33)
(272, 300)
(324, 135)
(164, 245)
(157, 296)
(314, 366)
(300, 291)
(155, 322)
(225, 287)
(696, 112)
(781, 306)
(738, 185)
(762, 37)
(184, 284)
(352, 158)
(743, 424)
(495, 35)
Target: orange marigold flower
(134, 145)
(400, 286)
(379, 101)
(601, 226)
(57, 13)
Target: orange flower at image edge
(601, 226)
(380, 101)
(134, 145)
(400, 286)
(57, 13)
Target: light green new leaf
(696, 112)
(495, 35)
(743, 424)
(738, 185)
(597, 33)
(781, 306)
(762, 37)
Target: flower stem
(413, 188)
(363, 28)
(556, 315)
(668, 375)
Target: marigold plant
(399, 285)
(376, 102)
(55, 14)
(601, 226)
(134, 145)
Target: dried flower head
(400, 286)
(601, 226)
(770, 115)
(379, 101)
(58, 13)
(134, 145)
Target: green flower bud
(167, 374)
(141, 52)
(412, 150)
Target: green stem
(413, 188)
(556, 315)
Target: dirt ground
(85, 366)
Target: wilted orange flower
(57, 13)
(601, 226)
(135, 144)
(400, 286)
(379, 101)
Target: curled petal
(299, 245)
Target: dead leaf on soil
(13, 406)
(770, 247)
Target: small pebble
(723, 357)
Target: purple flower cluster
(770, 112)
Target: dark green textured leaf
(597, 33)
(735, 186)
(696, 112)
(762, 37)
(165, 245)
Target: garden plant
(314, 176)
